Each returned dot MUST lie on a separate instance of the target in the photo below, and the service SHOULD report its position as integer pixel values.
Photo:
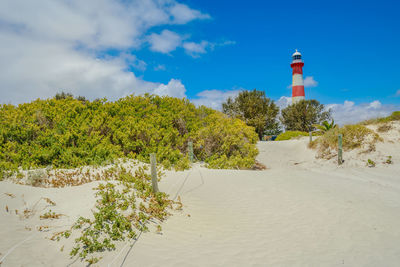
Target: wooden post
(340, 149)
(310, 136)
(190, 150)
(153, 162)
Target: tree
(303, 115)
(255, 109)
(325, 126)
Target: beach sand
(301, 211)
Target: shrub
(354, 136)
(290, 134)
(65, 132)
(226, 143)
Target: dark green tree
(255, 109)
(303, 115)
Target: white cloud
(397, 93)
(55, 45)
(165, 42)
(183, 14)
(195, 49)
(310, 82)
(375, 104)
(283, 102)
(160, 67)
(173, 88)
(214, 98)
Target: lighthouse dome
(296, 55)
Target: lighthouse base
(296, 99)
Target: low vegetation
(294, 134)
(290, 134)
(371, 163)
(123, 209)
(64, 132)
(354, 136)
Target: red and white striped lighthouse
(298, 83)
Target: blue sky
(349, 48)
(204, 50)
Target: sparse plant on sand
(389, 160)
(50, 215)
(122, 209)
(384, 128)
(10, 195)
(36, 177)
(371, 163)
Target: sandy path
(289, 215)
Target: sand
(301, 211)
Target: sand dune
(299, 212)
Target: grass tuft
(354, 136)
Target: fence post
(340, 149)
(310, 136)
(190, 150)
(153, 162)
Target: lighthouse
(298, 83)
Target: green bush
(64, 132)
(226, 143)
(290, 134)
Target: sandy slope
(299, 212)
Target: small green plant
(93, 260)
(119, 214)
(50, 215)
(389, 160)
(371, 163)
